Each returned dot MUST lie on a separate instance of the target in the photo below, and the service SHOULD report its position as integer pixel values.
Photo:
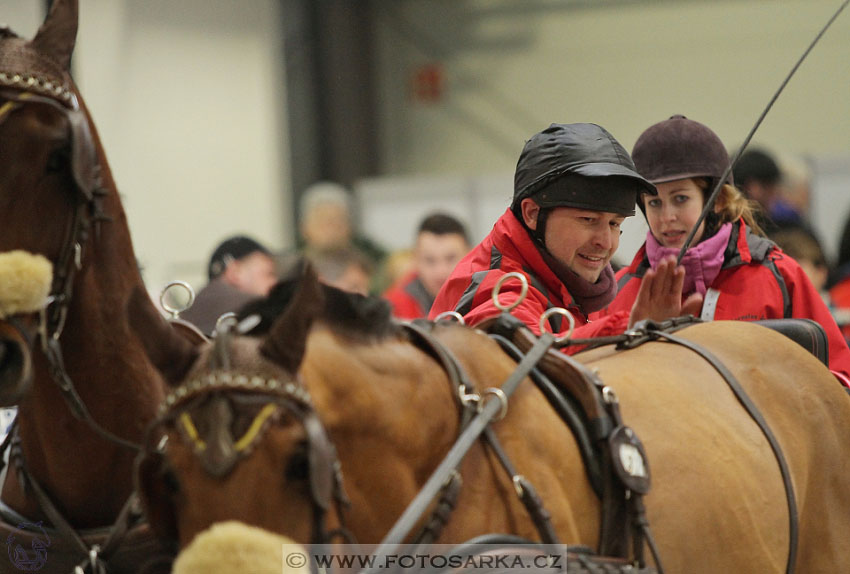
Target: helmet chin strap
(539, 234)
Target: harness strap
(75, 403)
(526, 492)
(95, 555)
(442, 512)
(756, 415)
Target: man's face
(435, 258)
(581, 239)
(327, 226)
(255, 273)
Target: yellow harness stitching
(255, 427)
(187, 423)
(243, 443)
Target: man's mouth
(592, 260)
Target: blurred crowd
(240, 268)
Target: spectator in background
(806, 250)
(327, 224)
(345, 268)
(441, 241)
(839, 288)
(795, 196)
(759, 176)
(240, 269)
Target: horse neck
(394, 396)
(104, 356)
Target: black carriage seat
(806, 332)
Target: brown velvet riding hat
(679, 148)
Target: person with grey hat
(240, 270)
(739, 273)
(573, 187)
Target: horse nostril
(14, 364)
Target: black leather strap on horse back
(569, 412)
(756, 415)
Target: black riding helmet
(576, 165)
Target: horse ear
(58, 35)
(287, 338)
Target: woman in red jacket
(741, 274)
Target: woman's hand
(660, 294)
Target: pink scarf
(702, 263)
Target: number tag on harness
(630, 461)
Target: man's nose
(605, 236)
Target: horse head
(59, 201)
(24, 284)
(242, 399)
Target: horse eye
(299, 464)
(171, 482)
(58, 160)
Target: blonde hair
(731, 205)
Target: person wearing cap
(573, 187)
(741, 274)
(240, 270)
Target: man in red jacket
(573, 187)
(441, 241)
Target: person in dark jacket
(240, 270)
(741, 274)
(441, 241)
(573, 187)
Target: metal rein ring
(448, 316)
(175, 311)
(497, 288)
(544, 318)
(503, 399)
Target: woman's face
(674, 211)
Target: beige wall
(187, 97)
(623, 67)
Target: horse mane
(357, 317)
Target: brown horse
(239, 441)
(95, 383)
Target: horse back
(711, 463)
